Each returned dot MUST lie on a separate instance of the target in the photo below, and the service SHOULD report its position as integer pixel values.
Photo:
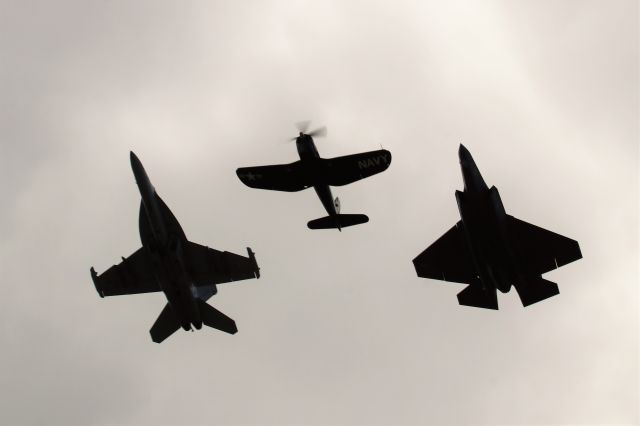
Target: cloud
(339, 330)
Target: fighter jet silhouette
(186, 272)
(489, 249)
(320, 173)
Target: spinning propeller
(303, 126)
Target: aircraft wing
(350, 168)
(282, 177)
(132, 276)
(447, 259)
(541, 250)
(209, 266)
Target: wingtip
(94, 278)
(252, 257)
(389, 156)
(241, 175)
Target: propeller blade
(319, 132)
(303, 126)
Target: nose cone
(471, 176)
(135, 162)
(464, 155)
(136, 166)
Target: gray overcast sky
(339, 330)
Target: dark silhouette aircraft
(186, 272)
(320, 173)
(489, 249)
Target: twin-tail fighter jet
(186, 272)
(491, 250)
(320, 173)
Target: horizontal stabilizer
(536, 290)
(338, 221)
(166, 324)
(211, 317)
(479, 297)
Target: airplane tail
(166, 324)
(479, 297)
(535, 290)
(338, 221)
(213, 318)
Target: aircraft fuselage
(485, 227)
(311, 158)
(165, 241)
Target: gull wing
(280, 177)
(350, 168)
